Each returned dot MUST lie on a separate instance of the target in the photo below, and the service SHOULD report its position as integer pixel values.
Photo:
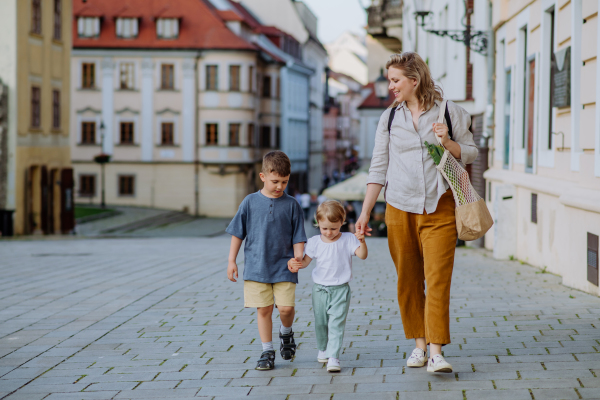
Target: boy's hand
(294, 265)
(360, 236)
(232, 271)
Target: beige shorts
(258, 294)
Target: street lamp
(102, 159)
(422, 12)
(381, 88)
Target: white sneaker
(438, 364)
(321, 357)
(333, 365)
(417, 359)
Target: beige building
(35, 174)
(186, 98)
(544, 176)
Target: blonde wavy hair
(413, 67)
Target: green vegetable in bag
(436, 152)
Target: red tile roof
(229, 15)
(128, 12)
(200, 26)
(249, 19)
(373, 102)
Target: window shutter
(159, 28)
(120, 27)
(175, 28)
(96, 22)
(135, 27)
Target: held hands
(441, 131)
(294, 265)
(360, 236)
(362, 227)
(232, 271)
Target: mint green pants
(330, 305)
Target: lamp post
(422, 12)
(381, 88)
(102, 159)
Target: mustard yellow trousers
(422, 247)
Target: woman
(420, 207)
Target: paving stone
(158, 314)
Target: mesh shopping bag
(473, 218)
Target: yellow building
(35, 173)
(544, 176)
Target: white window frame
(517, 138)
(136, 130)
(88, 27)
(127, 28)
(176, 136)
(167, 28)
(133, 78)
(97, 119)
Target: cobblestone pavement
(157, 319)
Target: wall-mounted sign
(562, 78)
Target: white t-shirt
(334, 260)
(305, 200)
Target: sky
(337, 16)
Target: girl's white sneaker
(322, 357)
(438, 364)
(417, 359)
(333, 365)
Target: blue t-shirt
(270, 227)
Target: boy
(273, 225)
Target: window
(251, 135)
(592, 258)
(88, 75)
(88, 133)
(126, 185)
(234, 134)
(166, 134)
(530, 113)
(166, 77)
(266, 89)
(126, 132)
(35, 107)
(56, 109)
(127, 28)
(167, 28)
(126, 72)
(57, 20)
(251, 79)
(534, 213)
(278, 88)
(212, 77)
(234, 78)
(265, 137)
(212, 134)
(277, 137)
(552, 66)
(507, 102)
(525, 70)
(87, 185)
(88, 27)
(36, 16)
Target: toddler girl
(333, 251)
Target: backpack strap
(391, 119)
(449, 121)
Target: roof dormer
(88, 22)
(167, 28)
(127, 28)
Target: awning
(352, 189)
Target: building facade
(185, 97)
(544, 176)
(36, 182)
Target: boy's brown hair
(277, 162)
(332, 210)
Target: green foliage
(436, 152)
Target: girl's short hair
(413, 67)
(332, 210)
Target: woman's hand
(362, 227)
(441, 131)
